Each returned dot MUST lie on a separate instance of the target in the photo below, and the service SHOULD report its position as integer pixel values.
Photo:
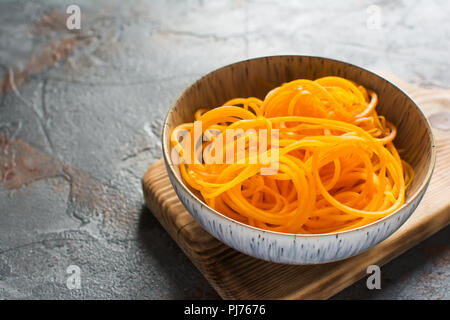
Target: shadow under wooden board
(235, 275)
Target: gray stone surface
(87, 107)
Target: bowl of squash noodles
(298, 159)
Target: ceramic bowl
(256, 77)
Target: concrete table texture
(80, 122)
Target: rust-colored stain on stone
(54, 50)
(21, 165)
(50, 22)
(45, 57)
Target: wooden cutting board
(237, 276)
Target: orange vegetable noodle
(336, 166)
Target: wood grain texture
(238, 276)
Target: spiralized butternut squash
(336, 166)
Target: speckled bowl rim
(419, 191)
